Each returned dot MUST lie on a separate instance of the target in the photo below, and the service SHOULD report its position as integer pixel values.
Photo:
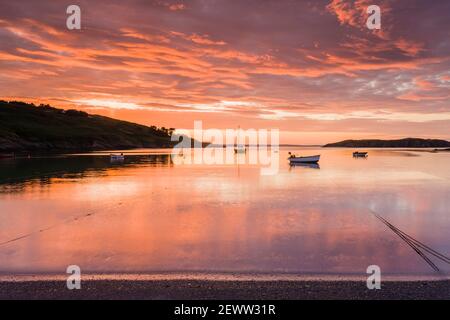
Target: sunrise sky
(310, 68)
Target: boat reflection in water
(305, 165)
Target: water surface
(151, 215)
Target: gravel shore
(234, 290)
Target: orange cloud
(411, 48)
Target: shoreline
(219, 277)
(223, 290)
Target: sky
(311, 69)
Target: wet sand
(226, 290)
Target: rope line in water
(415, 244)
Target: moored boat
(117, 157)
(358, 154)
(308, 159)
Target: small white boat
(309, 159)
(117, 157)
(359, 154)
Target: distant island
(401, 143)
(27, 127)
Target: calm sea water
(150, 215)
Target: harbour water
(149, 214)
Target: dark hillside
(26, 127)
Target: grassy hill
(26, 127)
(401, 143)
